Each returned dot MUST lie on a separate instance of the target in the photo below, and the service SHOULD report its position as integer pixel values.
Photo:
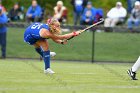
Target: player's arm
(46, 34)
(60, 41)
(65, 36)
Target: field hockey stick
(99, 22)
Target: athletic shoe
(48, 71)
(52, 54)
(132, 74)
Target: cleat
(52, 54)
(48, 71)
(132, 74)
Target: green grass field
(108, 47)
(26, 76)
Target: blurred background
(48, 5)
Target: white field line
(94, 87)
(83, 73)
(119, 87)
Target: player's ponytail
(52, 22)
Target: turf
(108, 47)
(26, 76)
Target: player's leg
(38, 50)
(135, 67)
(0, 42)
(46, 55)
(3, 45)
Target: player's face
(56, 28)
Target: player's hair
(51, 22)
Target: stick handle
(88, 28)
(73, 36)
(70, 38)
(82, 31)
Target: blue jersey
(3, 20)
(31, 34)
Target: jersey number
(36, 26)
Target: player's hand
(76, 33)
(64, 42)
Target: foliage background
(49, 4)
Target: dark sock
(46, 56)
(39, 51)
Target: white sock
(136, 66)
